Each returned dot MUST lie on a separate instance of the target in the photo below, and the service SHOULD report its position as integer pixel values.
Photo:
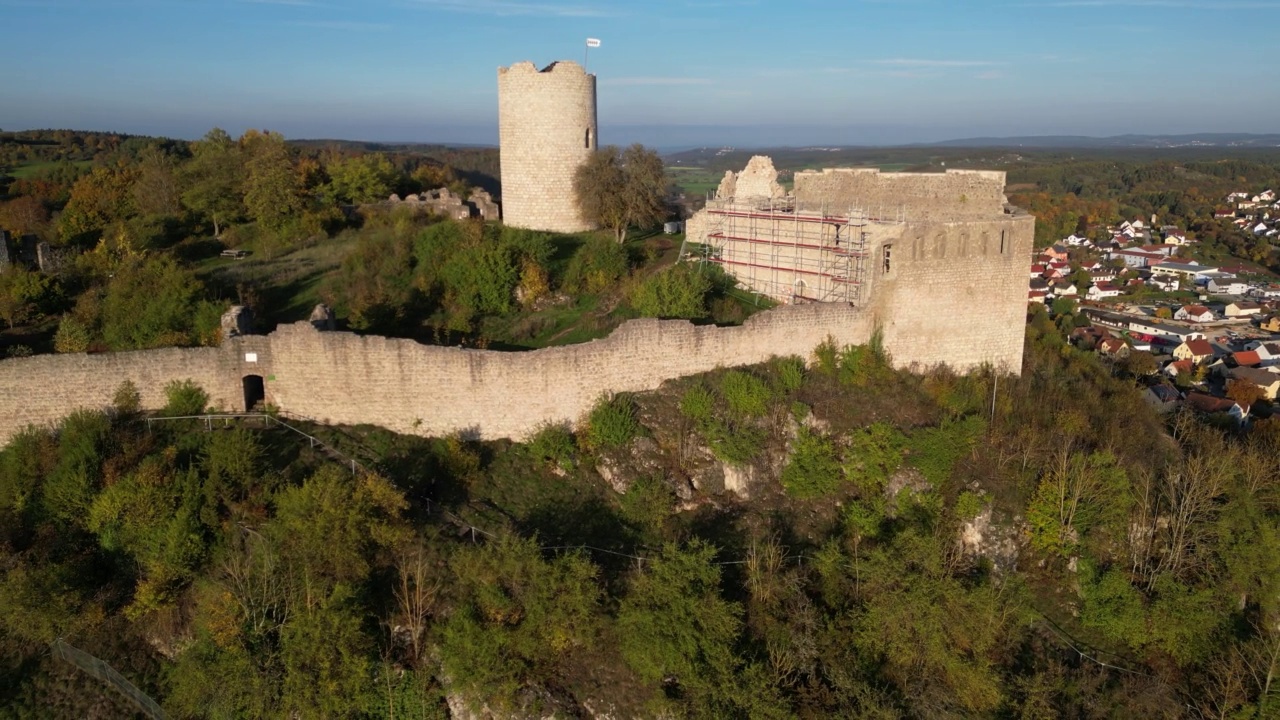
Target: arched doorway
(255, 392)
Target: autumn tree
(23, 215)
(156, 190)
(97, 200)
(1244, 392)
(621, 189)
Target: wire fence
(102, 672)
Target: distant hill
(1220, 140)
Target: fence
(225, 420)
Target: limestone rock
(996, 541)
(237, 321)
(642, 457)
(322, 318)
(738, 480)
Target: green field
(694, 181)
(25, 172)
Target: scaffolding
(793, 255)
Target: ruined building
(546, 129)
(936, 260)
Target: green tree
(213, 179)
(327, 658)
(361, 179)
(621, 189)
(272, 189)
(21, 293)
(673, 623)
(157, 303)
(329, 528)
(520, 616)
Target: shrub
(553, 443)
(184, 397)
(127, 400)
(73, 336)
(873, 456)
(813, 469)
(968, 506)
(612, 422)
(596, 265)
(789, 373)
(679, 291)
(934, 451)
(734, 443)
(647, 504)
(746, 394)
(698, 403)
(482, 278)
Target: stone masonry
(938, 261)
(546, 130)
(340, 377)
(953, 292)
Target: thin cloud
(1185, 4)
(343, 25)
(924, 63)
(625, 81)
(515, 7)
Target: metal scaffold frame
(789, 254)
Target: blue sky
(670, 72)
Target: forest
(810, 537)
(830, 538)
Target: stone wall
(413, 388)
(946, 197)
(546, 129)
(44, 388)
(954, 290)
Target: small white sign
(251, 357)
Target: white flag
(593, 42)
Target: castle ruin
(546, 130)
(934, 263)
(937, 260)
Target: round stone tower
(546, 129)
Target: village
(1202, 335)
